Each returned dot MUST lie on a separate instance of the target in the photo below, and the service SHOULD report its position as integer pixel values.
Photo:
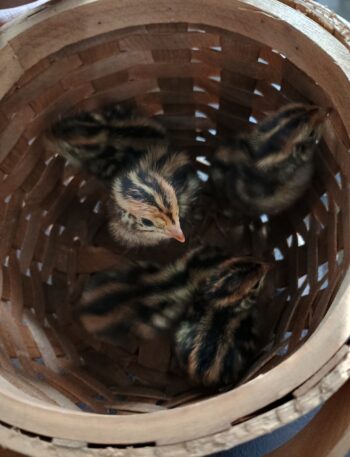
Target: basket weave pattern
(203, 82)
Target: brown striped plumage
(106, 142)
(267, 170)
(140, 299)
(151, 189)
(150, 201)
(146, 293)
(217, 340)
(205, 298)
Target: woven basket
(205, 69)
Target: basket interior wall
(203, 84)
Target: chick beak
(176, 233)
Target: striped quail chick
(218, 339)
(151, 189)
(206, 299)
(107, 142)
(144, 298)
(267, 170)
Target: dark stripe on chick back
(83, 126)
(137, 132)
(122, 276)
(231, 365)
(272, 122)
(245, 333)
(210, 340)
(277, 141)
(108, 301)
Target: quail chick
(144, 298)
(206, 299)
(151, 189)
(267, 170)
(217, 340)
(107, 142)
(151, 200)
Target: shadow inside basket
(204, 84)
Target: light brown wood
(327, 435)
(239, 433)
(7, 453)
(15, 3)
(333, 362)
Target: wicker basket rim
(238, 434)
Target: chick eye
(147, 222)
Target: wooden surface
(4, 4)
(263, 423)
(7, 453)
(327, 435)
